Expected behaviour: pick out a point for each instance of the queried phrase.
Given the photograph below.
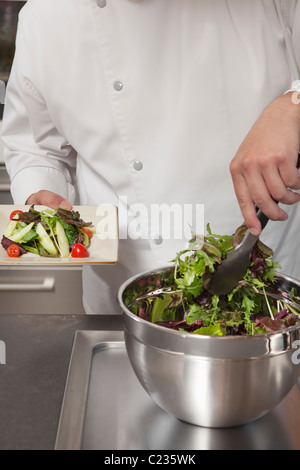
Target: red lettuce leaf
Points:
(72, 217)
(6, 242)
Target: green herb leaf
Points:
(212, 330)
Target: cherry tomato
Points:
(79, 251)
(13, 251)
(87, 232)
(14, 213)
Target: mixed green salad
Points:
(49, 232)
(255, 306)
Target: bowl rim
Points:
(275, 341)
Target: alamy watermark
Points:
(296, 353)
(296, 92)
(2, 352)
(154, 222)
(2, 92)
(296, 97)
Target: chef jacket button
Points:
(137, 165)
(101, 3)
(118, 86)
(157, 239)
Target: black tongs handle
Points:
(261, 217)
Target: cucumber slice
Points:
(86, 241)
(17, 237)
(62, 240)
(10, 228)
(45, 240)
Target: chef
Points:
(187, 105)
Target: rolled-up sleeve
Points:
(37, 155)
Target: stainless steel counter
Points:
(32, 383)
(117, 413)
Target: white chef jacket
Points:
(146, 102)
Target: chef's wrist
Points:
(289, 105)
(283, 109)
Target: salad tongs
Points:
(234, 267)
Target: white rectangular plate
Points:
(104, 243)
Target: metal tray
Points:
(105, 407)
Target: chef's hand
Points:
(47, 198)
(264, 168)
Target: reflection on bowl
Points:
(209, 381)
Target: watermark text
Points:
(2, 352)
(296, 353)
(2, 92)
(154, 222)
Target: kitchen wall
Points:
(9, 10)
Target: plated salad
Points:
(50, 233)
(255, 306)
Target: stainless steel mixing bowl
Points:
(209, 381)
